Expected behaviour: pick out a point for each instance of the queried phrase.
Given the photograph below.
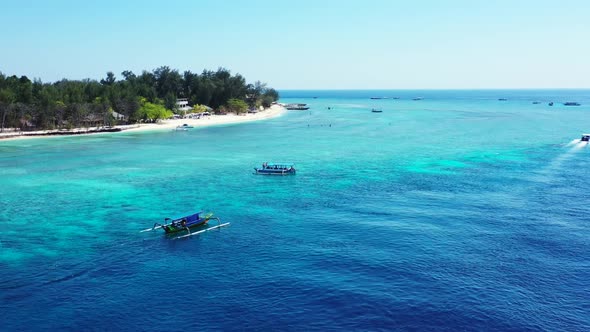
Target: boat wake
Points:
(546, 174)
(580, 145)
(577, 144)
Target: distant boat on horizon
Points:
(571, 103)
(375, 110)
(418, 98)
(502, 99)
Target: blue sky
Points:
(302, 44)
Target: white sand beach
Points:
(211, 120)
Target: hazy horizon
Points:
(333, 45)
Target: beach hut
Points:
(119, 116)
(27, 124)
(93, 120)
(182, 105)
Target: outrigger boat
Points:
(187, 224)
(275, 169)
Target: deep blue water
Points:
(454, 212)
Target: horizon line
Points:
(421, 89)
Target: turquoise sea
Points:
(454, 212)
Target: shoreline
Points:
(169, 124)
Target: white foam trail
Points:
(545, 174)
(563, 157)
(580, 145)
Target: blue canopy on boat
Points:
(191, 218)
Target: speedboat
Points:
(275, 169)
(585, 138)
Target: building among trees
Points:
(148, 97)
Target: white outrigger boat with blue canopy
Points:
(275, 169)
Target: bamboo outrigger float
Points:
(185, 224)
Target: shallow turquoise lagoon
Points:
(454, 212)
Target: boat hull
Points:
(273, 172)
(178, 227)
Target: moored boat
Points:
(376, 110)
(297, 107)
(183, 127)
(275, 169)
(571, 103)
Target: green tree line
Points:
(152, 95)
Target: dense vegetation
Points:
(27, 104)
